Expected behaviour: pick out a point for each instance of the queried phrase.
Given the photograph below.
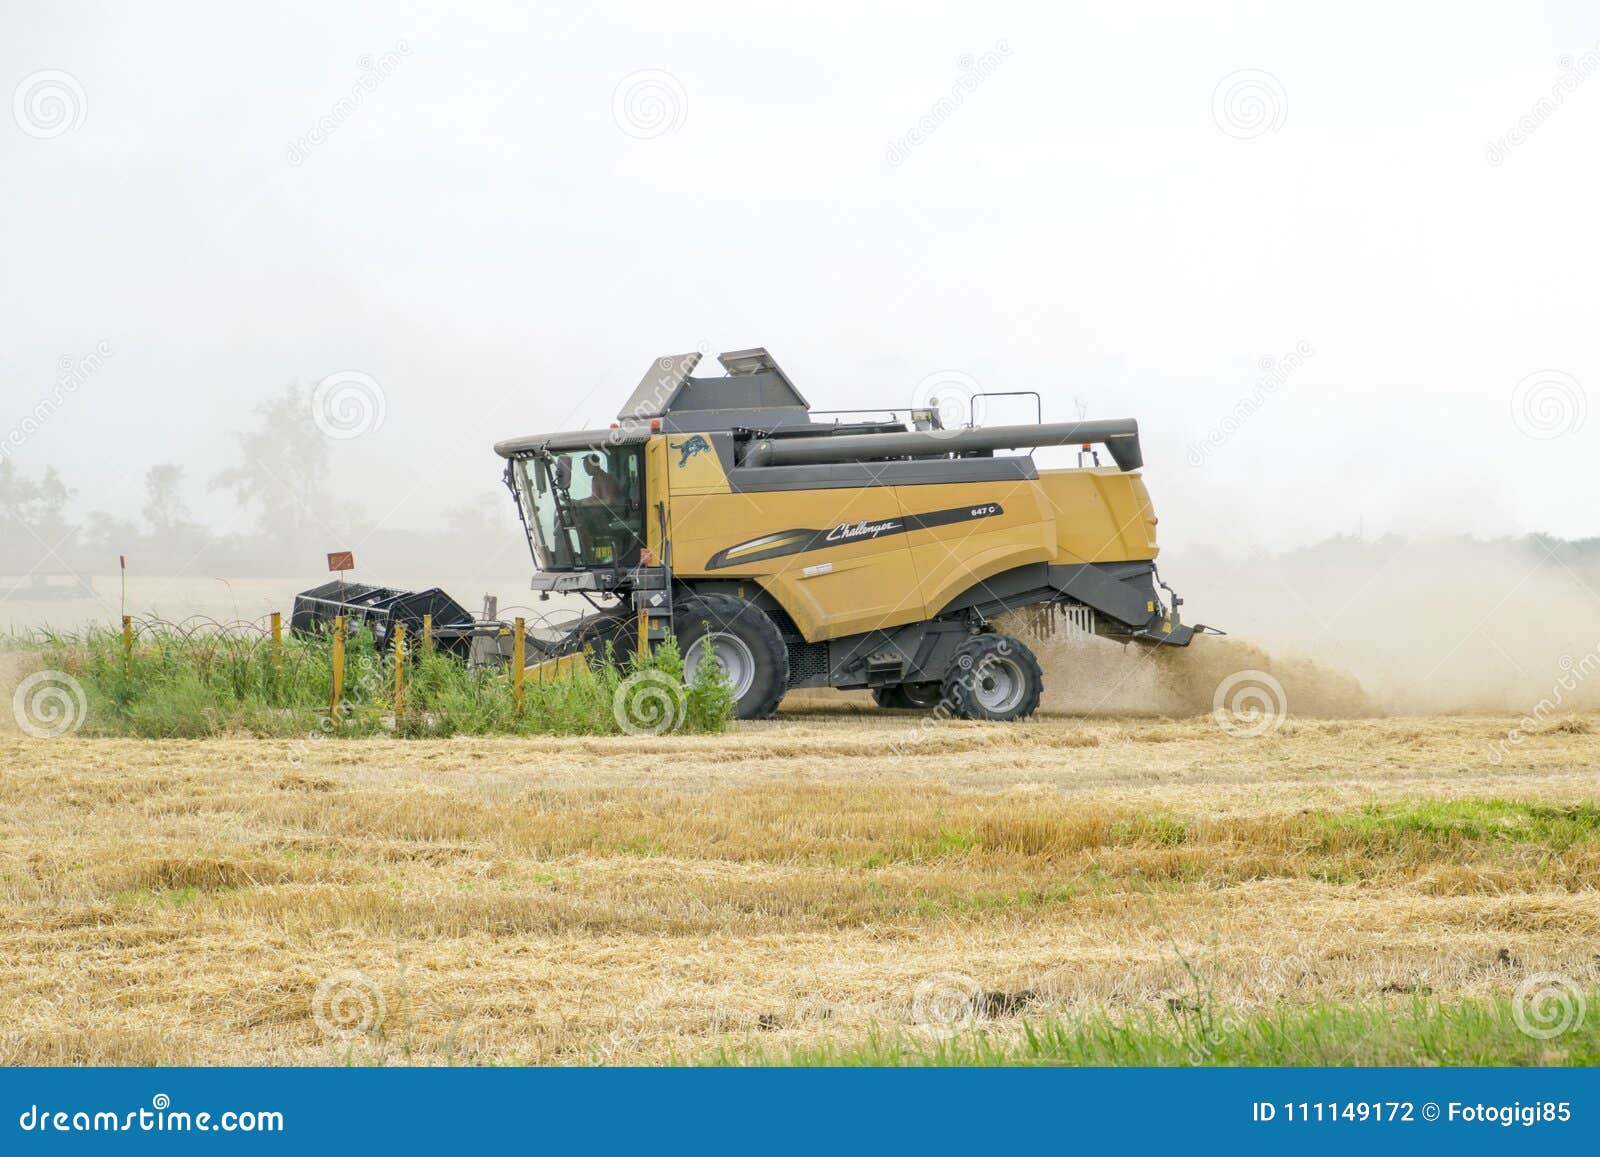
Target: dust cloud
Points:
(1346, 628)
(1092, 676)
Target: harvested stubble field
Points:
(795, 890)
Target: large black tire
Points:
(909, 696)
(620, 630)
(993, 677)
(740, 633)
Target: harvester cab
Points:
(798, 549)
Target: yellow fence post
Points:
(519, 665)
(338, 668)
(127, 637)
(277, 640)
(427, 633)
(399, 673)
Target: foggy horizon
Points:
(486, 224)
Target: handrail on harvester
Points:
(1119, 435)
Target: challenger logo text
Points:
(844, 532)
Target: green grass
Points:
(1157, 829)
(1556, 826)
(174, 685)
(1410, 1031)
(1335, 847)
(164, 897)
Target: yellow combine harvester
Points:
(799, 550)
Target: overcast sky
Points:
(499, 214)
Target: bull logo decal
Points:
(689, 447)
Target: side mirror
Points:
(564, 473)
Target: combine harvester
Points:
(802, 552)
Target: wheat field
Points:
(792, 884)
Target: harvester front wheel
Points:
(993, 677)
(909, 696)
(619, 630)
(744, 641)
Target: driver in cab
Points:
(603, 488)
(594, 513)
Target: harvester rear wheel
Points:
(909, 696)
(993, 677)
(744, 642)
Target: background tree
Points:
(164, 508)
(34, 531)
(282, 470)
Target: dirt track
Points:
(581, 900)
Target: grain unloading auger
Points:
(801, 550)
